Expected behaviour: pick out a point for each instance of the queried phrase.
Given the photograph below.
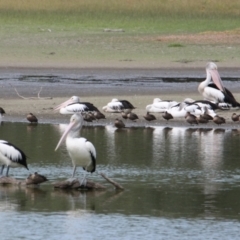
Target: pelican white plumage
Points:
(212, 88)
(117, 106)
(160, 106)
(81, 151)
(74, 105)
(11, 156)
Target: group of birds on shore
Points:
(83, 153)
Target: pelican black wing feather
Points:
(22, 159)
(126, 104)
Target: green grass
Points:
(60, 31)
(148, 16)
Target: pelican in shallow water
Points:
(212, 88)
(118, 106)
(74, 105)
(11, 156)
(81, 151)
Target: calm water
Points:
(180, 183)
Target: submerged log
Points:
(75, 184)
(88, 185)
(32, 179)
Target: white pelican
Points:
(117, 106)
(160, 106)
(11, 156)
(212, 88)
(81, 151)
(73, 105)
(32, 118)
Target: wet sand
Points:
(19, 97)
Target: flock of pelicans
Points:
(83, 153)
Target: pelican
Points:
(32, 118)
(11, 156)
(212, 88)
(160, 106)
(117, 106)
(81, 151)
(73, 105)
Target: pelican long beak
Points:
(64, 104)
(217, 79)
(69, 127)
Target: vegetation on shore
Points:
(122, 31)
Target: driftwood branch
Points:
(75, 184)
(38, 96)
(115, 184)
(89, 185)
(32, 179)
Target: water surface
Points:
(180, 183)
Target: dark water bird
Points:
(119, 123)
(190, 118)
(212, 88)
(167, 116)
(11, 156)
(235, 117)
(98, 115)
(88, 117)
(117, 106)
(81, 151)
(124, 115)
(149, 117)
(32, 118)
(202, 119)
(2, 111)
(74, 105)
(206, 115)
(219, 120)
(132, 116)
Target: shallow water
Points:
(180, 183)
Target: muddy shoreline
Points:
(24, 90)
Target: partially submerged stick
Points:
(75, 184)
(115, 184)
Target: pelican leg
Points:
(83, 182)
(73, 174)
(7, 171)
(2, 168)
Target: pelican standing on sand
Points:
(81, 151)
(117, 106)
(73, 105)
(212, 88)
(11, 156)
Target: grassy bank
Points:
(71, 33)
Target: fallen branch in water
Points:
(89, 185)
(115, 184)
(75, 184)
(38, 97)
